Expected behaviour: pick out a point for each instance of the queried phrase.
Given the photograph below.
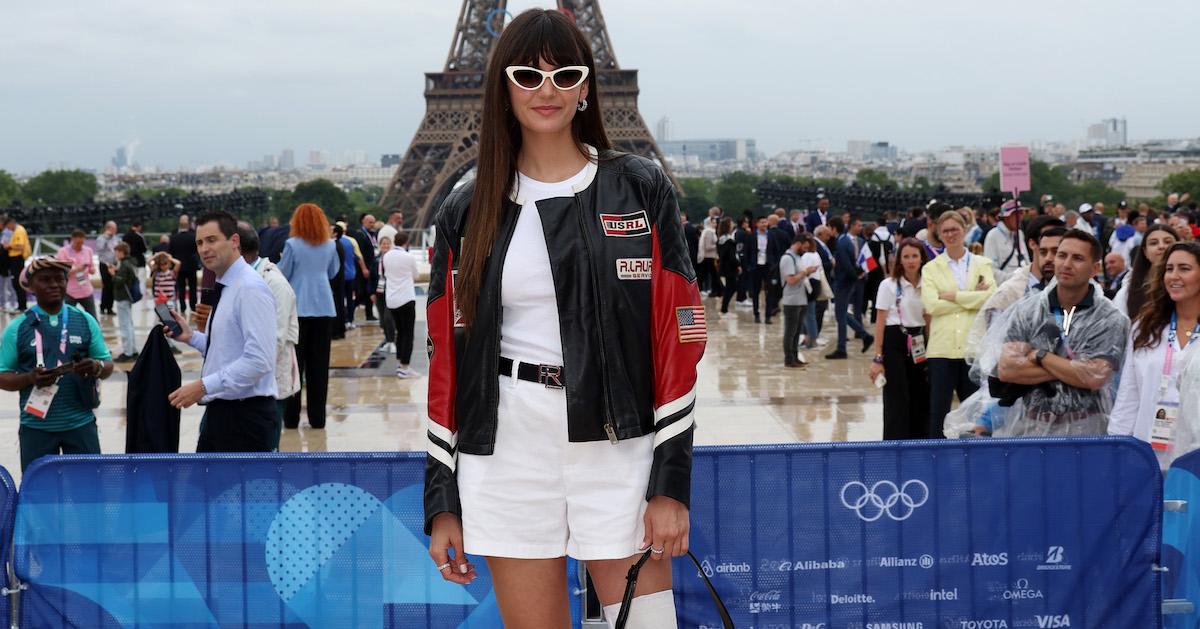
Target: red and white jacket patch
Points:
(625, 225)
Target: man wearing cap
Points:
(1081, 220)
(53, 356)
(1005, 244)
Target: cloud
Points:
(218, 80)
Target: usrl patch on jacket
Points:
(625, 225)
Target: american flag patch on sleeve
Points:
(692, 328)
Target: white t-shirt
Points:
(911, 313)
(959, 268)
(529, 331)
(400, 269)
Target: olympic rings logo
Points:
(884, 497)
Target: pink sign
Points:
(1014, 169)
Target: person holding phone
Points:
(53, 355)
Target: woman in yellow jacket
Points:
(18, 249)
(954, 287)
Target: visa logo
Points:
(1051, 622)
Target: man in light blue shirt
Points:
(237, 383)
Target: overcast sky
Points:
(200, 82)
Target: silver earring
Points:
(582, 105)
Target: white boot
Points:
(651, 611)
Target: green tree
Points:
(1186, 182)
(1044, 179)
(921, 183)
(699, 194)
(9, 189)
(60, 187)
(735, 192)
(327, 195)
(366, 199)
(875, 178)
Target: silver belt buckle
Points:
(551, 376)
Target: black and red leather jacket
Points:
(630, 319)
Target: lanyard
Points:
(966, 262)
(1064, 327)
(1171, 340)
(62, 340)
(899, 310)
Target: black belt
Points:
(549, 375)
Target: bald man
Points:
(1114, 274)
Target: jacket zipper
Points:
(499, 308)
(608, 427)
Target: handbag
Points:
(135, 292)
(631, 580)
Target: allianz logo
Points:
(987, 559)
(727, 567)
(1053, 621)
(990, 623)
(924, 561)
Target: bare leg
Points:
(532, 593)
(608, 576)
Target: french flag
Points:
(866, 260)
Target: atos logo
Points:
(1052, 622)
(986, 559)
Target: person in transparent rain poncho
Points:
(1157, 399)
(1055, 355)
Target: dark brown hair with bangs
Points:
(535, 35)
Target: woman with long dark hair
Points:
(565, 325)
(1160, 345)
(902, 324)
(727, 250)
(1155, 242)
(309, 262)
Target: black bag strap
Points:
(631, 580)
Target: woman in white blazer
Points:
(1160, 346)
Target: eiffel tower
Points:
(445, 146)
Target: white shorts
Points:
(538, 496)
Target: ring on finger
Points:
(656, 551)
(443, 567)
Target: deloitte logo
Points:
(850, 599)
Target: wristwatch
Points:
(1040, 356)
(878, 359)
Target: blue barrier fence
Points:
(971, 533)
(1182, 581)
(8, 504)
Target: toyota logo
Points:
(884, 497)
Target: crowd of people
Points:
(1041, 321)
(276, 296)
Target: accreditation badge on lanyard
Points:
(916, 342)
(41, 398)
(1166, 406)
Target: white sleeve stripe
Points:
(443, 433)
(674, 406)
(674, 430)
(439, 453)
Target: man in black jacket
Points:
(778, 242)
(364, 285)
(747, 248)
(691, 236)
(137, 244)
(183, 248)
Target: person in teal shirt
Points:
(51, 334)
